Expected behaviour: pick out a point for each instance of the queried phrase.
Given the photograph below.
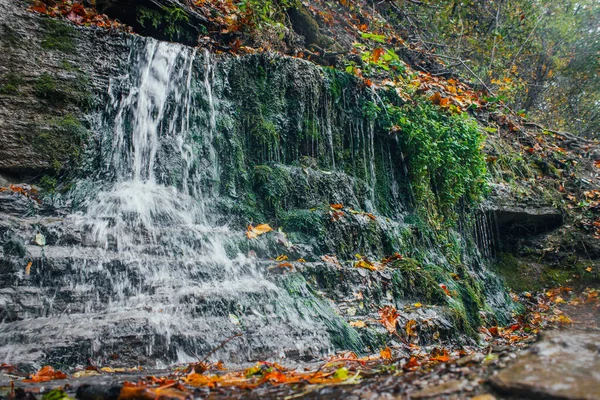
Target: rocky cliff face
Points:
(153, 159)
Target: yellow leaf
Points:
(588, 269)
(282, 257)
(254, 232)
(365, 264)
(358, 324)
(418, 305)
(411, 328)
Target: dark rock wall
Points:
(51, 75)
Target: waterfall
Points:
(154, 269)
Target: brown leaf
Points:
(389, 317)
(377, 53)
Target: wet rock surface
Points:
(562, 365)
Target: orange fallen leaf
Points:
(377, 53)
(389, 317)
(254, 232)
(336, 206)
(412, 363)
(28, 268)
(445, 289)
(411, 327)
(386, 353)
(440, 355)
(46, 374)
(366, 264)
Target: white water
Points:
(176, 263)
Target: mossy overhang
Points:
(127, 12)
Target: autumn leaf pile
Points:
(76, 13)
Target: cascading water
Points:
(155, 271)
(188, 144)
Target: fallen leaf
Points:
(254, 232)
(40, 240)
(386, 353)
(440, 355)
(389, 317)
(336, 206)
(445, 289)
(358, 324)
(411, 327)
(46, 374)
(412, 363)
(28, 268)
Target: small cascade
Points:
(155, 267)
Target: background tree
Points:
(539, 56)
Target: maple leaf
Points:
(46, 374)
(412, 363)
(254, 232)
(386, 353)
(389, 317)
(440, 355)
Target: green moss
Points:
(272, 186)
(48, 183)
(171, 20)
(414, 281)
(48, 88)
(61, 141)
(11, 84)
(73, 91)
(305, 221)
(443, 154)
(313, 307)
(59, 36)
